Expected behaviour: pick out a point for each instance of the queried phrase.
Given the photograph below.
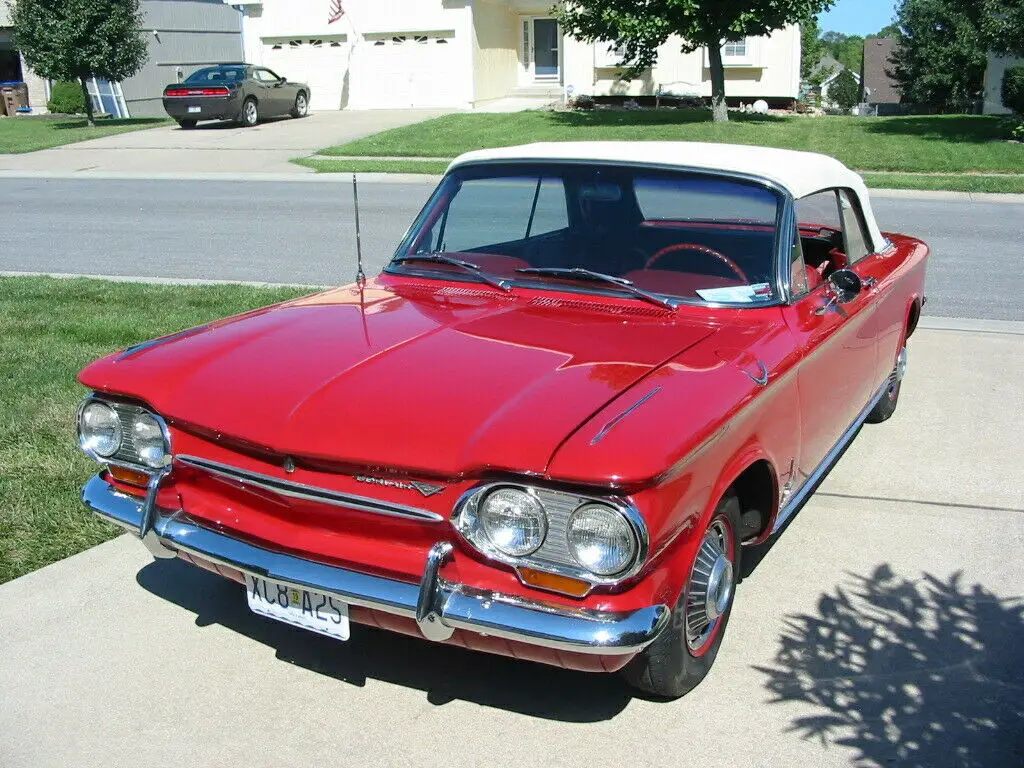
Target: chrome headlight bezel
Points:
(128, 413)
(554, 555)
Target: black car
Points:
(240, 92)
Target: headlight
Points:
(514, 521)
(148, 438)
(99, 429)
(601, 539)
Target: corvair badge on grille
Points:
(427, 489)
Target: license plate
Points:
(299, 607)
(193, 110)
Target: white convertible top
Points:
(801, 173)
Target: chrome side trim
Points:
(615, 421)
(762, 379)
(803, 493)
(456, 606)
(309, 492)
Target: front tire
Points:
(250, 113)
(301, 108)
(886, 407)
(683, 654)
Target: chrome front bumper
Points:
(438, 606)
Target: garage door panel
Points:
(321, 62)
(409, 71)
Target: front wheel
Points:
(250, 113)
(301, 108)
(683, 653)
(886, 407)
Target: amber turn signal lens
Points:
(554, 583)
(129, 476)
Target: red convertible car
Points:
(590, 375)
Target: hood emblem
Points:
(289, 464)
(427, 489)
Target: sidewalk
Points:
(110, 658)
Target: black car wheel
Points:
(187, 124)
(301, 108)
(886, 407)
(683, 653)
(250, 113)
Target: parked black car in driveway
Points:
(240, 92)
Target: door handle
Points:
(870, 283)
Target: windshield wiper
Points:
(440, 258)
(588, 275)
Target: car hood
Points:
(423, 377)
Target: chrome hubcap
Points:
(711, 585)
(250, 113)
(300, 105)
(898, 372)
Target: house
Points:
(997, 66)
(182, 35)
(464, 53)
(880, 91)
(825, 72)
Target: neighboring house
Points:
(461, 53)
(825, 72)
(997, 66)
(183, 35)
(13, 67)
(880, 91)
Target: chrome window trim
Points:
(621, 505)
(111, 461)
(309, 492)
(785, 201)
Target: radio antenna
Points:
(360, 275)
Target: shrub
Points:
(66, 99)
(581, 102)
(845, 91)
(1013, 89)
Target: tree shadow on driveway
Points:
(446, 673)
(914, 672)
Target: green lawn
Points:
(963, 182)
(945, 143)
(27, 134)
(49, 330)
(343, 165)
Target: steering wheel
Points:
(699, 249)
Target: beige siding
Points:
(772, 70)
(495, 51)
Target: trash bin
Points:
(13, 96)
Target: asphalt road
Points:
(302, 232)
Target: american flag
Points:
(335, 12)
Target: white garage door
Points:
(321, 62)
(415, 70)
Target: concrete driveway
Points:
(217, 147)
(881, 628)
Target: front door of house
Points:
(541, 54)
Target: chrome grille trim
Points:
(309, 492)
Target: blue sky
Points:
(857, 17)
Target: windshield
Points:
(692, 237)
(217, 75)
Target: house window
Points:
(398, 40)
(422, 39)
(735, 50)
(295, 43)
(335, 44)
(276, 47)
(316, 43)
(441, 41)
(378, 42)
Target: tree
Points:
(1004, 26)
(942, 53)
(80, 39)
(812, 48)
(1013, 89)
(845, 90)
(848, 50)
(639, 27)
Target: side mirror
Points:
(282, 80)
(846, 284)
